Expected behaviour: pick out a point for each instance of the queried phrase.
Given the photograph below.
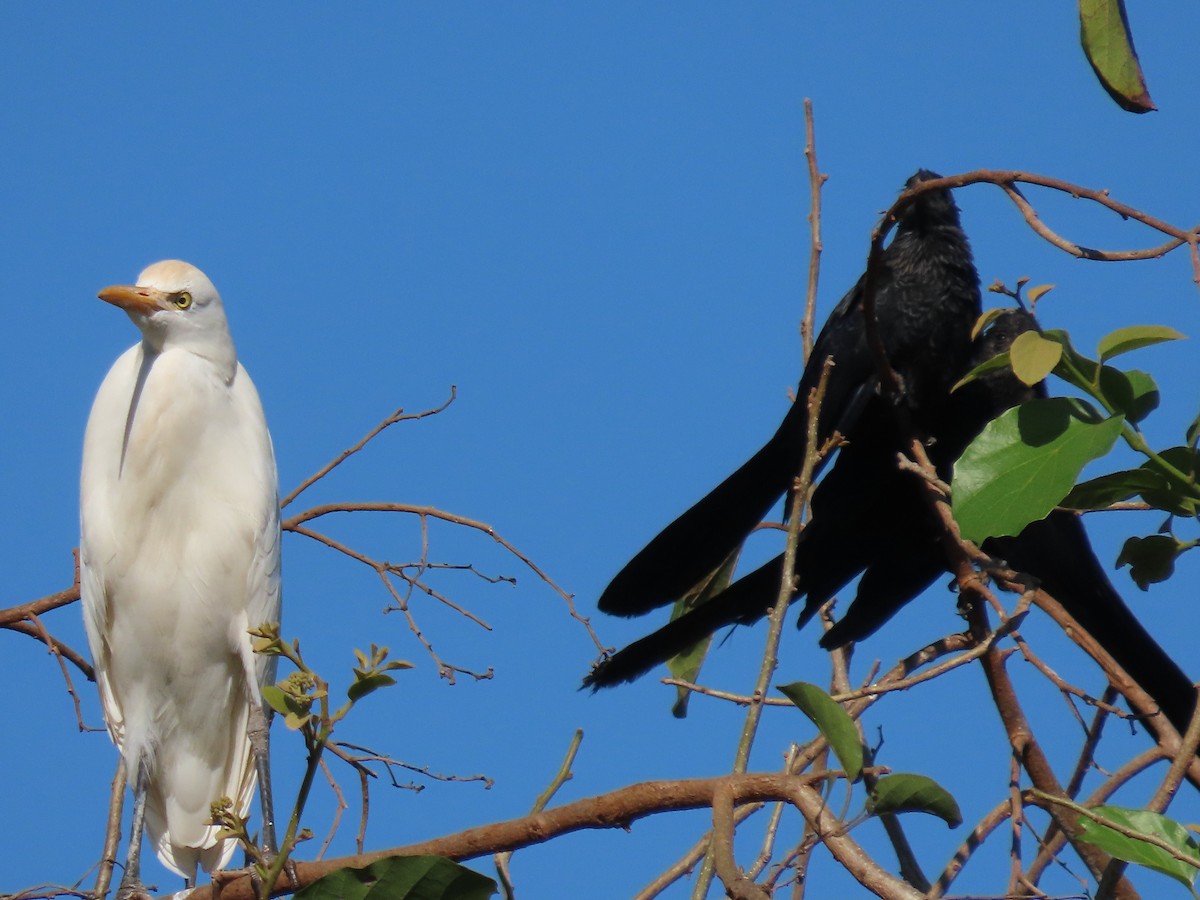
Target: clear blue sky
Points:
(591, 219)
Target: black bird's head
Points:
(930, 209)
(999, 389)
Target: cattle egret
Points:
(179, 557)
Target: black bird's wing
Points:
(926, 300)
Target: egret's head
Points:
(175, 305)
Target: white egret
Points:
(179, 557)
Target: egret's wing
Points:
(100, 470)
(95, 618)
(263, 586)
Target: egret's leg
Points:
(131, 882)
(259, 728)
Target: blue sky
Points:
(591, 219)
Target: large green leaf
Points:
(832, 721)
(402, 878)
(1135, 851)
(903, 792)
(1104, 33)
(1025, 462)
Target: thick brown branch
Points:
(618, 809)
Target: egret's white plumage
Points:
(179, 557)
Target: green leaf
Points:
(686, 665)
(402, 878)
(1150, 559)
(999, 361)
(1112, 488)
(1134, 337)
(1170, 495)
(296, 721)
(1034, 294)
(295, 711)
(1143, 396)
(901, 792)
(1135, 851)
(1108, 44)
(1025, 462)
(368, 684)
(832, 721)
(276, 699)
(1034, 357)
(1193, 432)
(989, 316)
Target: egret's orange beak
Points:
(134, 299)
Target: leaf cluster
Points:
(1028, 460)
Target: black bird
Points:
(926, 301)
(870, 517)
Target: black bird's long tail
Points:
(692, 546)
(1057, 552)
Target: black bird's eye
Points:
(183, 300)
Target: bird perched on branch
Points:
(926, 299)
(179, 558)
(871, 518)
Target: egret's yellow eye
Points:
(183, 300)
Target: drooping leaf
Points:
(402, 878)
(903, 792)
(686, 665)
(1108, 44)
(1112, 488)
(1134, 337)
(1023, 463)
(832, 721)
(1135, 851)
(1151, 559)
(1034, 357)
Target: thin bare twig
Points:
(57, 647)
(815, 180)
(398, 416)
(561, 777)
(342, 806)
(316, 512)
